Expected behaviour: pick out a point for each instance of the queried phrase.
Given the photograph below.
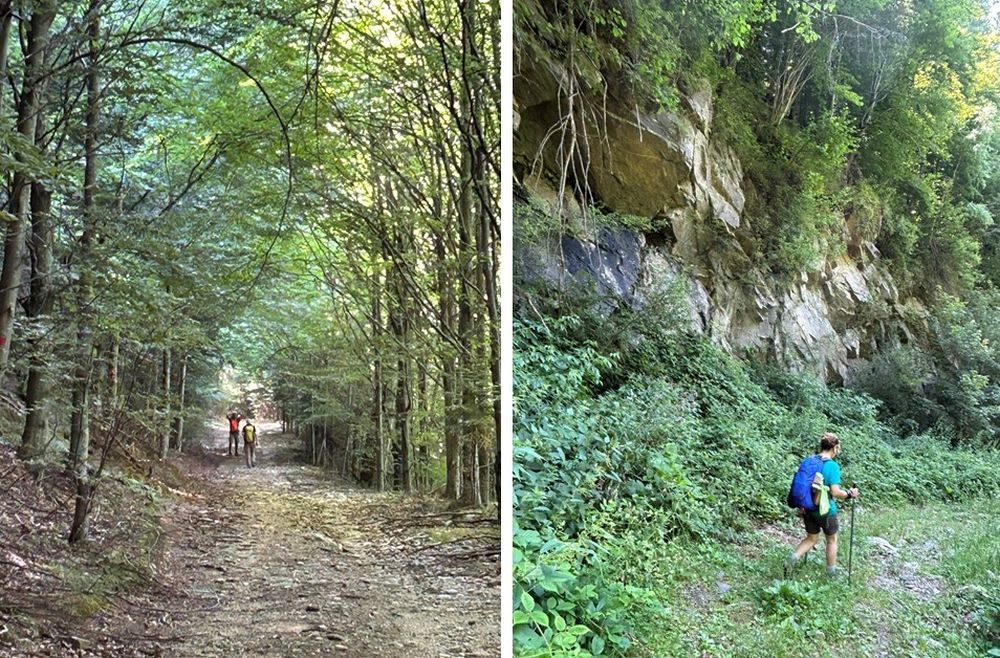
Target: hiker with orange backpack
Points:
(234, 432)
(814, 492)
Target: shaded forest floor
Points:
(216, 559)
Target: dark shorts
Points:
(828, 524)
(234, 436)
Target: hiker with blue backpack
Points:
(814, 492)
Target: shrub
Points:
(558, 608)
(630, 435)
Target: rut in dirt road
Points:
(280, 560)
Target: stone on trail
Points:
(883, 546)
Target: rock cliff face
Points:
(667, 167)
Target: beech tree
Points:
(305, 192)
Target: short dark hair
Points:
(828, 441)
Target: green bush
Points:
(950, 388)
(560, 609)
(630, 435)
(805, 606)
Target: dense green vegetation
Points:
(878, 110)
(862, 126)
(646, 459)
(651, 467)
(305, 192)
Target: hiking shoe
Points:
(834, 573)
(790, 563)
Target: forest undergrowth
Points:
(47, 593)
(650, 475)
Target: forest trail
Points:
(280, 560)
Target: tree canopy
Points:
(305, 192)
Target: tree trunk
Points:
(113, 374)
(81, 511)
(483, 459)
(423, 414)
(29, 107)
(6, 16)
(165, 428)
(399, 322)
(487, 256)
(313, 451)
(444, 273)
(467, 368)
(179, 417)
(470, 473)
(403, 423)
(39, 305)
(80, 425)
(449, 379)
(79, 431)
(378, 390)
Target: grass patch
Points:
(730, 600)
(974, 552)
(962, 538)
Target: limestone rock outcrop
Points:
(666, 167)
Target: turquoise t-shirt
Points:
(831, 476)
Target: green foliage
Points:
(632, 436)
(807, 607)
(950, 387)
(802, 206)
(557, 610)
(649, 43)
(820, 116)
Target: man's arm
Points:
(840, 494)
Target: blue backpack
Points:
(800, 494)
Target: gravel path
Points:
(282, 560)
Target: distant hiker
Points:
(250, 444)
(234, 433)
(815, 490)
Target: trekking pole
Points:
(850, 550)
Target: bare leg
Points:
(831, 551)
(806, 545)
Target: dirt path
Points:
(282, 560)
